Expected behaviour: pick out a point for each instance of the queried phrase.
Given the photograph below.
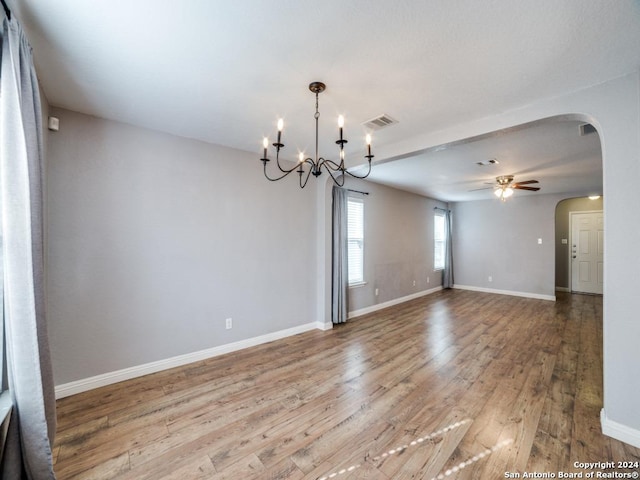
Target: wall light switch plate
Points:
(54, 124)
(539, 241)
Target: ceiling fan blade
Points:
(484, 188)
(533, 189)
(526, 182)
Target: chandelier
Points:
(305, 167)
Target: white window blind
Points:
(355, 236)
(439, 237)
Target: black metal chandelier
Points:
(337, 171)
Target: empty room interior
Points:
(313, 240)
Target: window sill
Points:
(357, 284)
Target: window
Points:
(355, 239)
(439, 237)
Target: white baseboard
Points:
(390, 303)
(618, 431)
(324, 326)
(563, 289)
(109, 378)
(537, 296)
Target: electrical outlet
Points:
(229, 323)
(490, 278)
(428, 279)
(414, 283)
(376, 292)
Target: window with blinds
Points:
(355, 236)
(439, 237)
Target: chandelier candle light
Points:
(336, 171)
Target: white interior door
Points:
(587, 249)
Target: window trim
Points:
(361, 280)
(436, 243)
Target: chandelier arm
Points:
(275, 179)
(312, 165)
(330, 165)
(358, 176)
(278, 163)
(302, 185)
(339, 183)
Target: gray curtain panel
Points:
(447, 275)
(32, 424)
(340, 270)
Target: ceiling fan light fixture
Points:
(503, 192)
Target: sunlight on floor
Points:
(421, 441)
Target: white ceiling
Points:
(223, 71)
(551, 151)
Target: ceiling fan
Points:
(505, 186)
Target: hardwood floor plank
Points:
(426, 459)
(502, 368)
(552, 444)
(88, 468)
(192, 468)
(109, 442)
(298, 429)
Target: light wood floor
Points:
(470, 384)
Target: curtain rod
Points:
(440, 208)
(7, 11)
(347, 189)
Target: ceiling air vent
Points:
(491, 161)
(587, 129)
(379, 122)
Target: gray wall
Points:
(500, 239)
(398, 245)
(563, 231)
(154, 240)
